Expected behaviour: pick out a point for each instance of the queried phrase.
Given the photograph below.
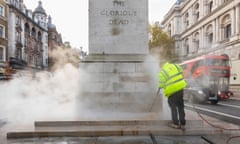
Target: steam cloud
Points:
(54, 95)
(47, 95)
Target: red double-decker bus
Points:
(208, 77)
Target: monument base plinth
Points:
(123, 83)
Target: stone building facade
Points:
(27, 35)
(203, 27)
(54, 41)
(54, 38)
(3, 39)
(3, 32)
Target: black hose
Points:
(207, 140)
(153, 139)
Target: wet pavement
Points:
(117, 140)
(218, 139)
(227, 137)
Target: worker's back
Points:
(171, 79)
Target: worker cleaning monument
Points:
(118, 87)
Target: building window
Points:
(210, 38)
(228, 31)
(210, 6)
(209, 34)
(18, 37)
(18, 21)
(19, 53)
(1, 54)
(196, 12)
(197, 16)
(196, 42)
(186, 44)
(2, 31)
(33, 34)
(187, 49)
(169, 30)
(1, 11)
(27, 29)
(16, 4)
(39, 36)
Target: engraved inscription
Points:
(120, 14)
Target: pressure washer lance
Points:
(154, 99)
(151, 135)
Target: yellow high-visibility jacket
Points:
(171, 79)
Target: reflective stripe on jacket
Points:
(171, 79)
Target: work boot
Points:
(172, 125)
(182, 127)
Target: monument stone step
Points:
(111, 128)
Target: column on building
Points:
(207, 30)
(216, 2)
(191, 16)
(201, 8)
(201, 37)
(233, 21)
(218, 30)
(182, 47)
(205, 37)
(221, 32)
(237, 18)
(177, 25)
(191, 44)
(214, 29)
(206, 7)
(173, 26)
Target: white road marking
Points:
(234, 106)
(215, 112)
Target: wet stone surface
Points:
(180, 140)
(114, 140)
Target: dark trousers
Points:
(176, 104)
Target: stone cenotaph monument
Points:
(116, 75)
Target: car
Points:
(195, 95)
(195, 92)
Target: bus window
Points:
(202, 62)
(195, 66)
(218, 62)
